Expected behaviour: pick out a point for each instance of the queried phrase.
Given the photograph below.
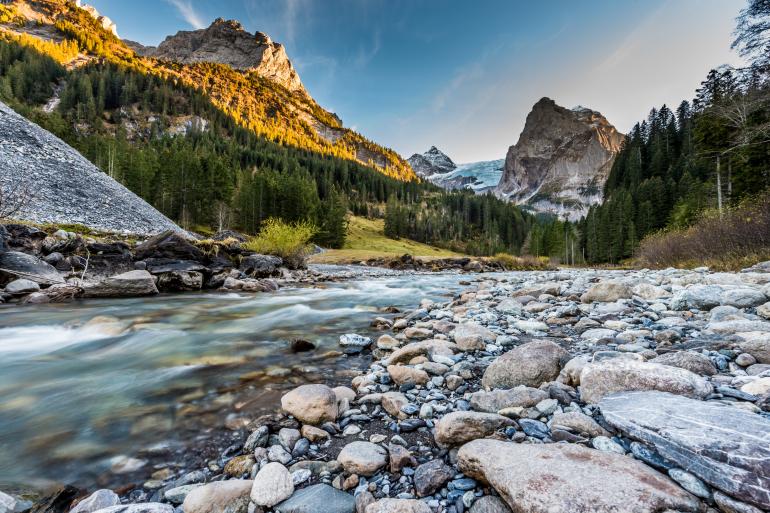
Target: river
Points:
(91, 390)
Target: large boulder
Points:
(230, 496)
(260, 266)
(311, 404)
(168, 244)
(530, 364)
(607, 292)
(727, 447)
(698, 297)
(495, 400)
(459, 427)
(743, 297)
(130, 284)
(14, 264)
(620, 374)
(569, 478)
(363, 458)
(320, 498)
(693, 362)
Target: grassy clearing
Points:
(366, 239)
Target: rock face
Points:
(430, 163)
(620, 374)
(53, 183)
(726, 447)
(542, 479)
(561, 161)
(226, 42)
(130, 284)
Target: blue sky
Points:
(462, 75)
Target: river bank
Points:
(466, 399)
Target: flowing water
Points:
(85, 385)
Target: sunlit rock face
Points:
(561, 161)
(226, 42)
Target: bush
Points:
(523, 263)
(286, 240)
(738, 238)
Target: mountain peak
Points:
(562, 159)
(227, 42)
(433, 161)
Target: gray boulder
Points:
(22, 286)
(459, 427)
(727, 447)
(260, 266)
(699, 297)
(607, 292)
(100, 499)
(619, 374)
(530, 364)
(496, 400)
(130, 284)
(568, 478)
(693, 362)
(320, 498)
(14, 264)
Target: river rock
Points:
(606, 292)
(272, 484)
(530, 364)
(693, 362)
(260, 266)
(180, 281)
(459, 427)
(619, 374)
(130, 284)
(743, 297)
(231, 496)
(424, 348)
(320, 498)
(698, 297)
(100, 499)
(14, 264)
(168, 245)
(757, 345)
(490, 504)
(311, 404)
(495, 400)
(22, 286)
(764, 311)
(363, 458)
(568, 478)
(579, 423)
(757, 387)
(509, 306)
(431, 477)
(472, 337)
(392, 402)
(398, 506)
(355, 341)
(724, 446)
(729, 505)
(139, 507)
(403, 374)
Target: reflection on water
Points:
(82, 383)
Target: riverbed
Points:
(92, 389)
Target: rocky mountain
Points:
(44, 180)
(432, 162)
(480, 177)
(248, 77)
(226, 42)
(561, 161)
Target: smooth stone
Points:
(618, 375)
(578, 422)
(141, 507)
(363, 458)
(690, 483)
(100, 499)
(430, 477)
(530, 364)
(311, 404)
(489, 504)
(726, 447)
(459, 427)
(272, 484)
(398, 506)
(693, 362)
(130, 284)
(607, 292)
(403, 374)
(319, 498)
(231, 496)
(22, 286)
(569, 478)
(496, 400)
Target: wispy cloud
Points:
(188, 13)
(366, 54)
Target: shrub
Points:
(286, 240)
(523, 263)
(738, 238)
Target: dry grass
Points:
(739, 238)
(521, 263)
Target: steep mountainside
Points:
(246, 76)
(44, 180)
(561, 161)
(432, 162)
